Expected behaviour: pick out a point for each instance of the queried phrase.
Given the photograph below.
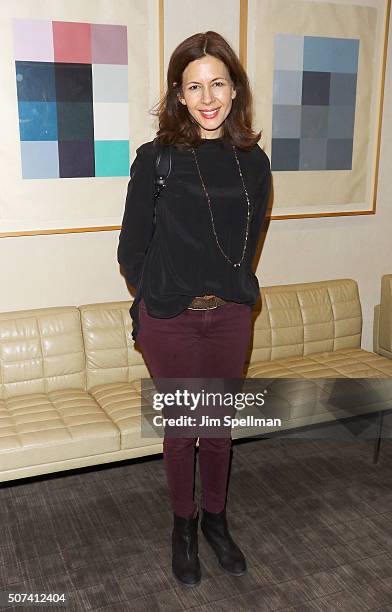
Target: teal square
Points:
(111, 157)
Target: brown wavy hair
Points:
(176, 125)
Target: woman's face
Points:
(206, 86)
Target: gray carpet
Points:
(313, 516)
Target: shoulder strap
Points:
(162, 171)
(162, 167)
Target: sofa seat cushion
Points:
(350, 363)
(306, 402)
(48, 427)
(122, 402)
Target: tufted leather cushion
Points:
(301, 319)
(44, 427)
(122, 403)
(40, 351)
(113, 366)
(351, 363)
(110, 353)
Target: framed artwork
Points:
(77, 83)
(72, 91)
(317, 68)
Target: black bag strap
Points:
(162, 167)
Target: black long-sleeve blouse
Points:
(183, 259)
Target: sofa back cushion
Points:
(110, 352)
(305, 318)
(41, 350)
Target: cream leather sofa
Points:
(70, 376)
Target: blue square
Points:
(345, 53)
(287, 88)
(35, 81)
(40, 160)
(318, 53)
(37, 120)
(286, 121)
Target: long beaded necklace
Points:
(237, 264)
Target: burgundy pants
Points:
(196, 343)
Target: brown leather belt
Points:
(202, 303)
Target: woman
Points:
(192, 317)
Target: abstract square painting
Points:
(314, 99)
(72, 96)
(318, 70)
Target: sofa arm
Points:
(384, 316)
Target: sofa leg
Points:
(377, 441)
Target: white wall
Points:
(78, 268)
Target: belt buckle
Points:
(214, 300)
(206, 300)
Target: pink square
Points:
(72, 42)
(33, 40)
(109, 44)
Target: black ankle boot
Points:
(185, 563)
(215, 530)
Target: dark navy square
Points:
(315, 88)
(74, 82)
(35, 81)
(76, 158)
(285, 154)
